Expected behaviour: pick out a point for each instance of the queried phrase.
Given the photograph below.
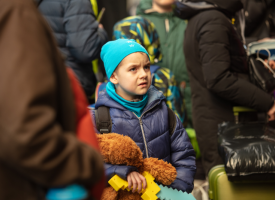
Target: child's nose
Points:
(143, 74)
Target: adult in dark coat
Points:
(216, 60)
(78, 36)
(38, 143)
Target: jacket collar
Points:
(151, 11)
(154, 97)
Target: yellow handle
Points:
(95, 7)
(239, 109)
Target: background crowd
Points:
(198, 60)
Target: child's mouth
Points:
(144, 84)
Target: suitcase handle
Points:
(238, 109)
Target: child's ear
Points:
(113, 78)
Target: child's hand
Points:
(136, 179)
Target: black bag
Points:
(248, 150)
(261, 74)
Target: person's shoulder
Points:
(85, 4)
(25, 11)
(211, 16)
(10, 4)
(102, 97)
(155, 94)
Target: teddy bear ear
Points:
(109, 194)
(120, 150)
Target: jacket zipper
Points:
(142, 130)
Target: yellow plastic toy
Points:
(150, 193)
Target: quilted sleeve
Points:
(84, 38)
(121, 170)
(183, 159)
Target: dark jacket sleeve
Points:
(121, 170)
(33, 140)
(183, 159)
(214, 44)
(84, 38)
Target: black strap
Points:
(103, 120)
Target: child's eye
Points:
(147, 67)
(133, 69)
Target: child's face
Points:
(132, 77)
(164, 2)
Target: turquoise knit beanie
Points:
(113, 52)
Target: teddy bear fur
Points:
(122, 150)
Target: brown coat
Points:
(38, 144)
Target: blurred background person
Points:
(259, 19)
(79, 36)
(171, 33)
(217, 61)
(38, 120)
(132, 6)
(115, 11)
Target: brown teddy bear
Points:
(122, 150)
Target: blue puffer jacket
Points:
(151, 133)
(78, 36)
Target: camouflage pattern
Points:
(143, 32)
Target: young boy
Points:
(138, 110)
(144, 32)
